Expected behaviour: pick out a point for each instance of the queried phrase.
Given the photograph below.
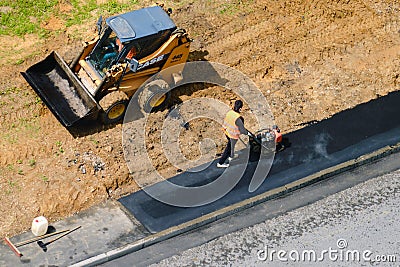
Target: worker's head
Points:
(276, 128)
(238, 105)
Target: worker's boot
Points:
(223, 165)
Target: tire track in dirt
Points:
(310, 58)
(321, 43)
(268, 51)
(261, 37)
(25, 143)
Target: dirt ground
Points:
(311, 59)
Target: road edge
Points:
(240, 206)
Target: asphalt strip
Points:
(347, 140)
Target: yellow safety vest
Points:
(229, 126)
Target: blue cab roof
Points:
(140, 23)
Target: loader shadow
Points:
(198, 55)
(89, 127)
(85, 128)
(189, 89)
(345, 136)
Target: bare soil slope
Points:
(311, 59)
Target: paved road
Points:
(362, 219)
(364, 216)
(316, 147)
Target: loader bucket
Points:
(61, 90)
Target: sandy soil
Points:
(311, 59)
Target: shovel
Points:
(44, 245)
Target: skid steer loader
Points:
(99, 82)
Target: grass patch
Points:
(38, 101)
(23, 127)
(22, 17)
(32, 162)
(60, 148)
(44, 178)
(82, 12)
(27, 17)
(19, 61)
(10, 138)
(12, 186)
(10, 90)
(233, 7)
(30, 126)
(96, 142)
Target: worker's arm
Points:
(240, 124)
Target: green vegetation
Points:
(11, 90)
(30, 126)
(38, 101)
(12, 185)
(60, 148)
(96, 142)
(82, 12)
(233, 7)
(44, 178)
(32, 162)
(12, 139)
(114, 7)
(19, 61)
(20, 17)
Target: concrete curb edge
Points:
(235, 208)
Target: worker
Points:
(112, 51)
(131, 52)
(115, 50)
(233, 126)
(278, 138)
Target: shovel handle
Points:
(39, 237)
(13, 247)
(64, 234)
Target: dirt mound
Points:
(311, 59)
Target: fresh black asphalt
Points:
(319, 145)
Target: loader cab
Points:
(105, 53)
(136, 34)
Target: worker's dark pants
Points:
(279, 147)
(229, 150)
